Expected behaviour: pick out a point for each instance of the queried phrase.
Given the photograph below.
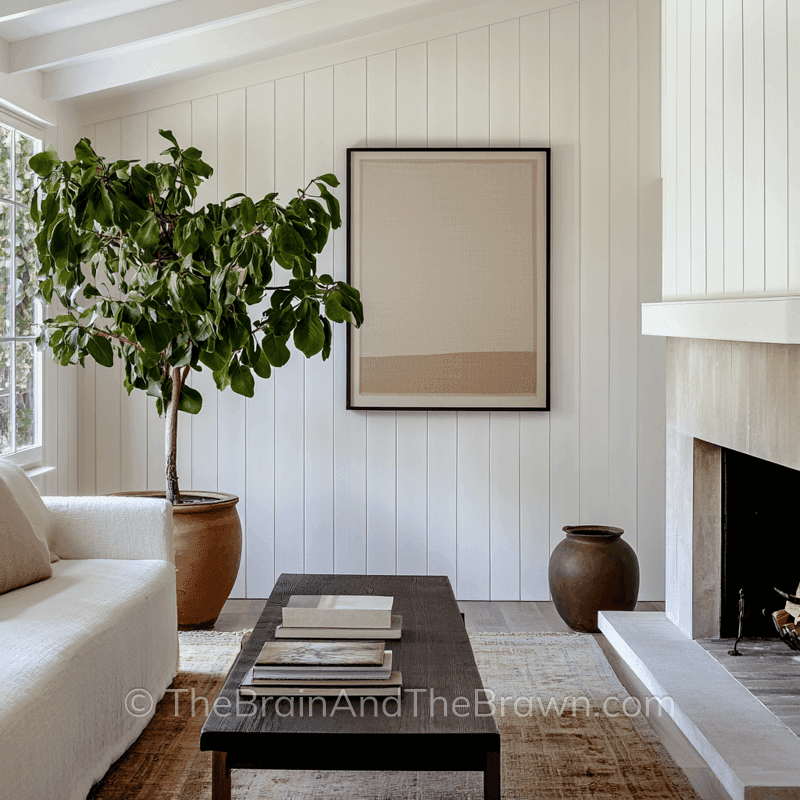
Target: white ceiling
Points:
(97, 49)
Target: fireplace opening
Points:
(759, 541)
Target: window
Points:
(20, 362)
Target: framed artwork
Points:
(450, 250)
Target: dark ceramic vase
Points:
(592, 570)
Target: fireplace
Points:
(759, 541)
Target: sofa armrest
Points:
(112, 527)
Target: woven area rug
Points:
(549, 752)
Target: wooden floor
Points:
(538, 617)
(480, 616)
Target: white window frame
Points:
(28, 457)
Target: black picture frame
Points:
(452, 402)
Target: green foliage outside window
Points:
(18, 287)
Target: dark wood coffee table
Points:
(434, 654)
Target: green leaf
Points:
(99, 348)
(242, 381)
(288, 240)
(44, 163)
(330, 179)
(309, 335)
(84, 152)
(261, 365)
(190, 401)
(147, 236)
(275, 349)
(333, 308)
(153, 336)
(333, 205)
(248, 211)
(168, 136)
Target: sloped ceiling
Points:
(96, 49)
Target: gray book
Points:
(321, 654)
(250, 688)
(281, 673)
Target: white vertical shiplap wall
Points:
(478, 496)
(731, 133)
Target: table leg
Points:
(491, 777)
(220, 776)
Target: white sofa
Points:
(75, 646)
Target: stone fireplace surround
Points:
(720, 394)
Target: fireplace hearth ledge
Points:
(752, 753)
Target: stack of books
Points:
(331, 616)
(323, 669)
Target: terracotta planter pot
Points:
(592, 570)
(208, 548)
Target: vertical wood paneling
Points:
(473, 506)
(534, 428)
(742, 90)
(683, 242)
(349, 431)
(178, 119)
(534, 80)
(564, 270)
(594, 258)
(776, 254)
(753, 49)
(204, 425)
(442, 482)
(697, 155)
(290, 379)
(231, 408)
(652, 356)
(472, 88)
(87, 404)
(670, 149)
(714, 222)
(319, 400)
(260, 415)
(504, 503)
(504, 84)
(412, 96)
(442, 112)
(108, 380)
(624, 327)
(412, 493)
(480, 497)
(381, 466)
(733, 148)
(793, 93)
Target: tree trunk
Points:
(171, 436)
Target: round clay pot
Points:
(592, 570)
(208, 547)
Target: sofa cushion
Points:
(29, 499)
(24, 557)
(73, 649)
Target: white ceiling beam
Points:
(14, 9)
(222, 44)
(164, 23)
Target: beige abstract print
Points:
(448, 276)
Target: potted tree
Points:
(142, 276)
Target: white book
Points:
(338, 611)
(282, 632)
